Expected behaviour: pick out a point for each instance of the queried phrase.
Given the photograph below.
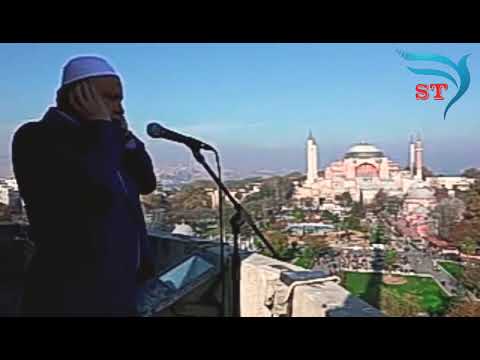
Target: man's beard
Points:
(121, 122)
(118, 120)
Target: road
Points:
(422, 261)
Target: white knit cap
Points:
(83, 67)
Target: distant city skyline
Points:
(257, 102)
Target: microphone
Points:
(157, 131)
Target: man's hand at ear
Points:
(86, 101)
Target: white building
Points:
(310, 228)
(312, 160)
(9, 194)
(11, 183)
(240, 194)
(450, 182)
(4, 195)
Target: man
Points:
(80, 172)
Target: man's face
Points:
(111, 92)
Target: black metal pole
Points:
(222, 240)
(236, 222)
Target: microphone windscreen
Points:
(154, 129)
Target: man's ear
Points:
(58, 98)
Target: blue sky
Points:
(256, 102)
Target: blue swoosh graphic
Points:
(434, 72)
(464, 82)
(461, 70)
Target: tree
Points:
(377, 236)
(306, 258)
(318, 244)
(274, 193)
(379, 201)
(351, 223)
(191, 197)
(393, 205)
(441, 193)
(357, 210)
(471, 278)
(385, 203)
(466, 233)
(299, 214)
(155, 200)
(344, 199)
(427, 172)
(295, 175)
(473, 173)
(399, 307)
(465, 309)
(447, 213)
(191, 216)
(391, 258)
(308, 202)
(278, 240)
(290, 253)
(327, 215)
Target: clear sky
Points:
(257, 102)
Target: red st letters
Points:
(423, 91)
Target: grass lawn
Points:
(454, 269)
(418, 294)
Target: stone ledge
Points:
(316, 300)
(259, 274)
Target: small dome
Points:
(183, 229)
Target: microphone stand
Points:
(237, 220)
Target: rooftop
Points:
(189, 284)
(420, 192)
(268, 287)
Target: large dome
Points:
(364, 150)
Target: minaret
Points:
(412, 156)
(419, 158)
(312, 159)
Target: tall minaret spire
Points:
(312, 159)
(419, 158)
(412, 156)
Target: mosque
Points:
(365, 169)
